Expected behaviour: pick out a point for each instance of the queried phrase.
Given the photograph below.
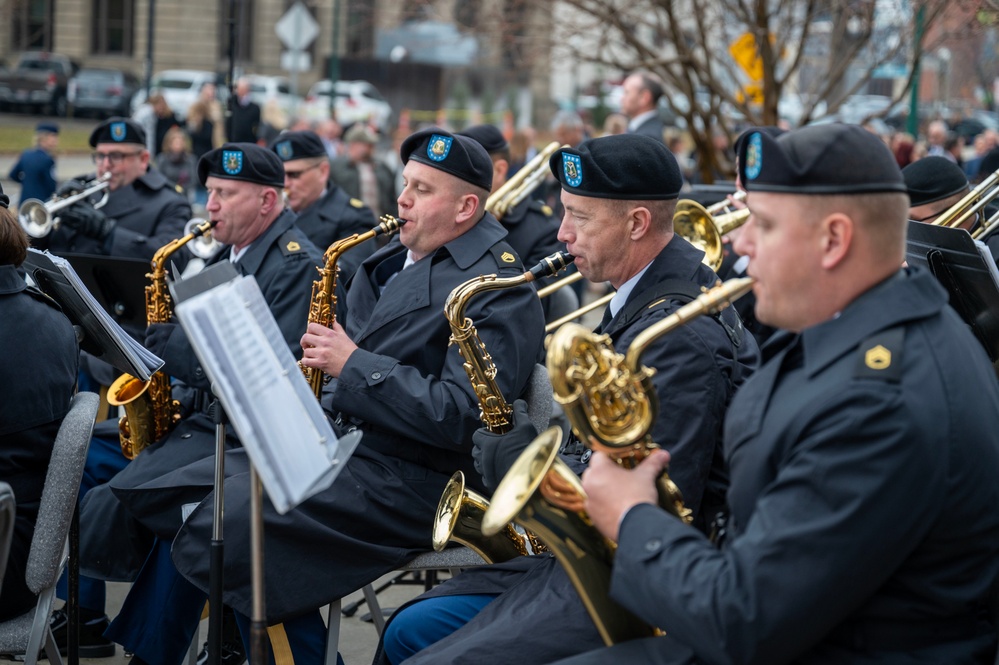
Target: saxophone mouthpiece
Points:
(550, 266)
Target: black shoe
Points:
(232, 654)
(93, 644)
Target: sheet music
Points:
(990, 261)
(253, 373)
(117, 347)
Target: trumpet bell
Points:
(693, 223)
(35, 218)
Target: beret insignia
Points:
(439, 147)
(572, 167)
(754, 157)
(118, 131)
(284, 150)
(232, 161)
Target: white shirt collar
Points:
(621, 297)
(235, 256)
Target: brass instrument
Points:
(522, 183)
(460, 510)
(150, 410)
(459, 519)
(494, 411)
(704, 228)
(970, 204)
(37, 217)
(612, 405)
(322, 309)
(204, 246)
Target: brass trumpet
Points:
(523, 183)
(37, 217)
(704, 228)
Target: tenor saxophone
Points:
(612, 406)
(322, 309)
(460, 511)
(150, 410)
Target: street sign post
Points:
(297, 29)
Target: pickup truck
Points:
(38, 81)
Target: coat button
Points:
(587, 454)
(376, 375)
(198, 372)
(653, 545)
(186, 436)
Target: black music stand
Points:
(961, 267)
(118, 284)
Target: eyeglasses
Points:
(114, 157)
(295, 175)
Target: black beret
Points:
(4, 199)
(624, 166)
(990, 164)
(488, 136)
(458, 155)
(298, 145)
(118, 130)
(242, 161)
(818, 159)
(932, 179)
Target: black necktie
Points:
(604, 322)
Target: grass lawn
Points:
(16, 137)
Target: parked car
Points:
(102, 92)
(266, 88)
(39, 81)
(180, 88)
(355, 101)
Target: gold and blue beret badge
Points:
(439, 147)
(232, 161)
(572, 168)
(754, 156)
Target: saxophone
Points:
(611, 403)
(323, 300)
(150, 410)
(460, 510)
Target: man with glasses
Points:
(326, 213)
(144, 210)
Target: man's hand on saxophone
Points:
(612, 490)
(327, 349)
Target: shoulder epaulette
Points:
(41, 296)
(880, 356)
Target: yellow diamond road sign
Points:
(747, 56)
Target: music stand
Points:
(968, 273)
(118, 284)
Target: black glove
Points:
(158, 336)
(85, 219)
(72, 186)
(495, 453)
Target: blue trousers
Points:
(104, 461)
(162, 611)
(428, 621)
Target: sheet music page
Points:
(277, 417)
(138, 360)
(990, 261)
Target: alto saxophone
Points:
(150, 410)
(612, 405)
(460, 510)
(323, 300)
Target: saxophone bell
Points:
(459, 519)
